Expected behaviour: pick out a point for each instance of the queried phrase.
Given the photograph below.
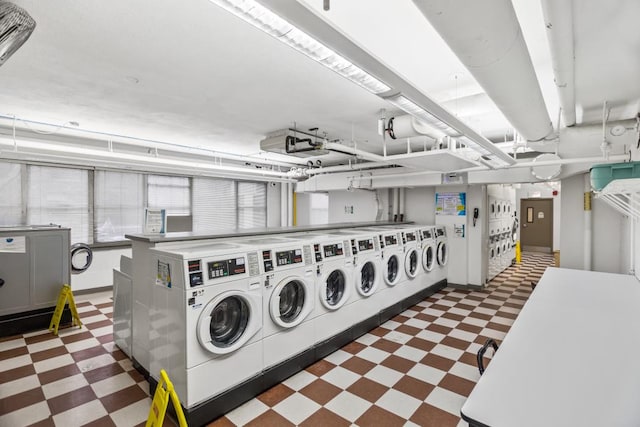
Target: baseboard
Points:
(33, 320)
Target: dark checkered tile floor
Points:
(416, 369)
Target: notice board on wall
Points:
(452, 204)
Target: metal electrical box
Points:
(34, 264)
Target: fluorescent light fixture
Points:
(262, 18)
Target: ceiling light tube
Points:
(262, 18)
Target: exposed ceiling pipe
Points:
(487, 38)
(579, 160)
(346, 168)
(81, 136)
(558, 17)
(366, 155)
(401, 93)
(407, 126)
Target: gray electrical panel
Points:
(34, 264)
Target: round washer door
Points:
(411, 263)
(227, 322)
(290, 302)
(367, 282)
(392, 272)
(334, 290)
(428, 258)
(443, 253)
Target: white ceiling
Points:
(189, 72)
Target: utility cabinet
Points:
(34, 264)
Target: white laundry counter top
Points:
(571, 358)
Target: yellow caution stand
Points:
(518, 253)
(164, 392)
(65, 295)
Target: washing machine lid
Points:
(411, 263)
(227, 322)
(290, 302)
(334, 289)
(392, 270)
(428, 257)
(367, 282)
(442, 253)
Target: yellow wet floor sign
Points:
(164, 392)
(65, 295)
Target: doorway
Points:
(536, 225)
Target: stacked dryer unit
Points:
(206, 322)
(501, 240)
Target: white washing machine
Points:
(334, 286)
(442, 253)
(288, 297)
(206, 319)
(412, 262)
(427, 256)
(392, 253)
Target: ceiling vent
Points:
(294, 143)
(15, 28)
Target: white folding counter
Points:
(571, 358)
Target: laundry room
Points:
(319, 212)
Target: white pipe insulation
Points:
(587, 222)
(408, 126)
(283, 204)
(558, 17)
(290, 204)
(395, 204)
(487, 38)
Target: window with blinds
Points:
(10, 194)
(172, 193)
(118, 199)
(214, 207)
(252, 204)
(59, 196)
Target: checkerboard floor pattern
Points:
(416, 369)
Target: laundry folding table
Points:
(571, 358)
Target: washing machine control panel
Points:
(195, 272)
(441, 232)
(289, 257)
(226, 268)
(365, 245)
(390, 240)
(267, 261)
(427, 235)
(411, 236)
(316, 251)
(332, 250)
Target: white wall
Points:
(100, 273)
(420, 205)
(358, 205)
(610, 231)
(467, 261)
(273, 205)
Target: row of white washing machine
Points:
(243, 314)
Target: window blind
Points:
(214, 207)
(59, 196)
(10, 194)
(252, 204)
(169, 192)
(118, 205)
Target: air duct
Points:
(15, 28)
(487, 38)
(407, 126)
(558, 17)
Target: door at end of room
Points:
(536, 225)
